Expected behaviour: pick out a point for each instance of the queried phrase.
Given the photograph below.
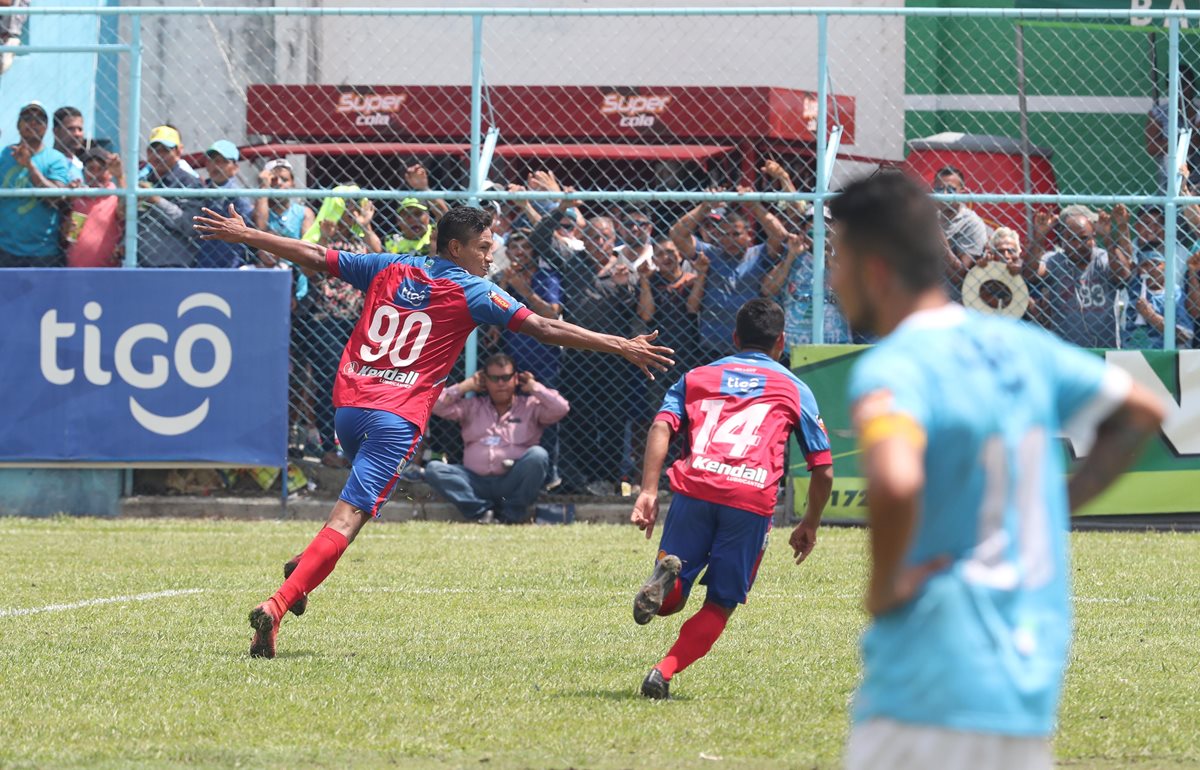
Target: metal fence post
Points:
(1171, 209)
(132, 132)
(818, 242)
(472, 349)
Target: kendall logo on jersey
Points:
(499, 301)
(414, 293)
(400, 377)
(743, 385)
(742, 474)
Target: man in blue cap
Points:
(222, 164)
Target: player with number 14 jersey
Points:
(735, 415)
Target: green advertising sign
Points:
(1165, 479)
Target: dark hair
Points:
(462, 224)
(759, 324)
(950, 171)
(1151, 210)
(63, 114)
(890, 215)
(499, 359)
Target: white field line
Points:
(16, 612)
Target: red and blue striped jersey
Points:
(417, 314)
(735, 415)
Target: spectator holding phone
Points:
(503, 467)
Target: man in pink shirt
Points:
(503, 467)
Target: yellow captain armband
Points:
(895, 425)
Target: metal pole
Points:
(1023, 108)
(132, 131)
(818, 243)
(472, 349)
(1170, 209)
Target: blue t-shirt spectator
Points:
(31, 225)
(729, 284)
(218, 253)
(529, 354)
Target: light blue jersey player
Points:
(958, 416)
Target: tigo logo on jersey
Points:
(743, 385)
(414, 293)
(499, 301)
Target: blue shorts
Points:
(378, 445)
(729, 541)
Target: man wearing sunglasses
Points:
(29, 233)
(503, 467)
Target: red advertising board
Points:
(648, 114)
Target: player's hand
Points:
(645, 355)
(526, 382)
(214, 227)
(645, 511)
(700, 262)
(803, 538)
(904, 586)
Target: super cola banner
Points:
(144, 366)
(1166, 478)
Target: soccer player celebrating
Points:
(417, 314)
(957, 416)
(737, 414)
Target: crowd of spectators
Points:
(1096, 278)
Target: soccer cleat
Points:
(652, 593)
(301, 604)
(655, 686)
(266, 627)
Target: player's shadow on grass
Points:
(617, 695)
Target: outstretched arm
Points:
(639, 351)
(232, 229)
(645, 509)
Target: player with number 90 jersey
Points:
(737, 414)
(417, 314)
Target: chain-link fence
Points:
(650, 168)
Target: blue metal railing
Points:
(1170, 200)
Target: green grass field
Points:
(488, 647)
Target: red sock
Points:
(316, 563)
(696, 638)
(674, 601)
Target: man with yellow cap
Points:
(165, 237)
